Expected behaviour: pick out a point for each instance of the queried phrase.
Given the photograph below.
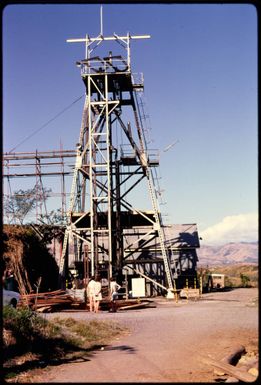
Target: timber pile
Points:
(126, 304)
(137, 305)
(49, 301)
(70, 299)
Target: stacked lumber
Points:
(137, 305)
(77, 294)
(126, 304)
(71, 299)
(48, 301)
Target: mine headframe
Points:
(104, 228)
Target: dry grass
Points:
(50, 342)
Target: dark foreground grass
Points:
(32, 342)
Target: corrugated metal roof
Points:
(176, 236)
(182, 235)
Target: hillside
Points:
(230, 253)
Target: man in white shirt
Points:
(94, 294)
(114, 287)
(91, 289)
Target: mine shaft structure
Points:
(112, 160)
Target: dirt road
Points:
(166, 343)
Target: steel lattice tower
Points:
(102, 222)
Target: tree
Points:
(22, 202)
(52, 226)
(244, 280)
(27, 251)
(29, 259)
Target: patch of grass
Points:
(49, 342)
(10, 375)
(90, 332)
(68, 322)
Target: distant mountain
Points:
(230, 253)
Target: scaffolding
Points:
(37, 166)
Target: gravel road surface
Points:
(166, 343)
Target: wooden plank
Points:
(44, 309)
(233, 357)
(136, 306)
(230, 369)
(48, 293)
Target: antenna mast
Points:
(101, 33)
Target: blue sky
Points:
(200, 78)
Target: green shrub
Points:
(245, 280)
(23, 322)
(28, 328)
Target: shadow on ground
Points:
(125, 348)
(53, 353)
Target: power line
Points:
(170, 145)
(45, 124)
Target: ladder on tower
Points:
(175, 269)
(145, 165)
(78, 164)
(159, 228)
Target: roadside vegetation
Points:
(239, 275)
(26, 245)
(235, 275)
(31, 342)
(29, 259)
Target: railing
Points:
(97, 65)
(137, 80)
(127, 151)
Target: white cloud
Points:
(234, 228)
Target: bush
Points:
(29, 330)
(24, 324)
(245, 280)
